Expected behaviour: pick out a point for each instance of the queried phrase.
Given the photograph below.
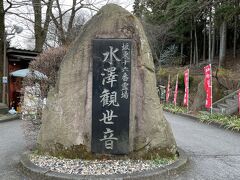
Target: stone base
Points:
(35, 172)
(81, 152)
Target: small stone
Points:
(96, 167)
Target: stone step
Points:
(223, 111)
(223, 105)
(227, 105)
(216, 110)
(231, 102)
(231, 110)
(235, 97)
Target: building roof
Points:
(14, 54)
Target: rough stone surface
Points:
(200, 97)
(67, 117)
(32, 101)
(32, 105)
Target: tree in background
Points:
(58, 18)
(226, 16)
(68, 22)
(191, 23)
(5, 6)
(40, 26)
(175, 16)
(34, 13)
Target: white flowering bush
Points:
(170, 56)
(32, 105)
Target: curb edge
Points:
(212, 123)
(30, 169)
(11, 118)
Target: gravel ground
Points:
(96, 167)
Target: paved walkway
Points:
(214, 153)
(12, 145)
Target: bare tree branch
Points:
(19, 15)
(10, 5)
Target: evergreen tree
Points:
(189, 23)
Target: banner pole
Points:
(211, 87)
(238, 92)
(168, 89)
(169, 82)
(238, 95)
(176, 92)
(188, 93)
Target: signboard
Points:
(5, 79)
(111, 95)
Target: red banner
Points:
(186, 84)
(208, 86)
(176, 92)
(168, 90)
(239, 101)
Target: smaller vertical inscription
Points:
(111, 95)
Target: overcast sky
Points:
(25, 40)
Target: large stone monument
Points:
(105, 100)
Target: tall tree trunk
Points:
(191, 45)
(235, 31)
(217, 42)
(194, 55)
(41, 32)
(182, 50)
(196, 45)
(204, 42)
(38, 24)
(235, 38)
(223, 40)
(213, 42)
(210, 36)
(2, 41)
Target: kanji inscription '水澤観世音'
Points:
(111, 95)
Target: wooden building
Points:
(17, 59)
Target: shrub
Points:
(47, 63)
(174, 109)
(228, 121)
(168, 56)
(35, 90)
